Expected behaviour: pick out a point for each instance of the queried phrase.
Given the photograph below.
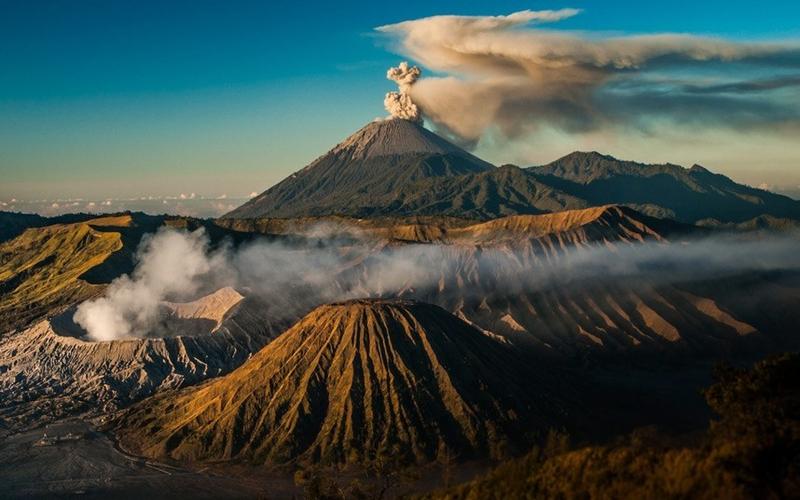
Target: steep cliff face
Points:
(352, 382)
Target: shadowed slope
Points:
(667, 190)
(350, 382)
(12, 224)
(398, 168)
(750, 450)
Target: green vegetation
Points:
(752, 450)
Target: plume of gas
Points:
(399, 103)
(322, 264)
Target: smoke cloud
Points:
(508, 74)
(399, 104)
(170, 264)
(324, 264)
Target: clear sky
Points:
(153, 98)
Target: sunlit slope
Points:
(48, 269)
(534, 278)
(40, 270)
(351, 382)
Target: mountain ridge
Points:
(398, 168)
(664, 190)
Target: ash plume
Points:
(508, 74)
(399, 103)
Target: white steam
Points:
(323, 264)
(399, 104)
(171, 264)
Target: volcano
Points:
(354, 177)
(351, 382)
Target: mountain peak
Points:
(378, 160)
(586, 156)
(394, 136)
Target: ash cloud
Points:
(508, 73)
(322, 264)
(399, 104)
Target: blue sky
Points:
(113, 99)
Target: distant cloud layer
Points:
(190, 205)
(512, 74)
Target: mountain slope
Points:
(499, 192)
(562, 283)
(348, 383)
(377, 160)
(47, 269)
(569, 282)
(398, 168)
(13, 224)
(688, 195)
(41, 270)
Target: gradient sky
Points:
(119, 99)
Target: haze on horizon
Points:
(136, 103)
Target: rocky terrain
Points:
(47, 373)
